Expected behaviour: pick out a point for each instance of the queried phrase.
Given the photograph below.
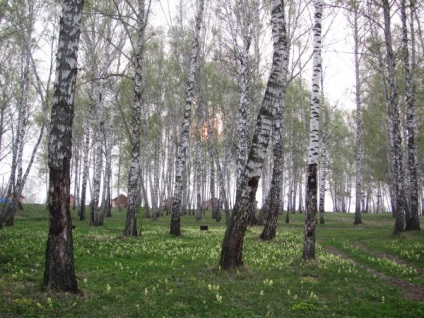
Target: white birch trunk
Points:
(323, 168)
(412, 221)
(133, 176)
(184, 137)
(156, 172)
(275, 205)
(16, 184)
(98, 163)
(359, 147)
(86, 150)
(313, 151)
(232, 246)
(394, 114)
(108, 126)
(242, 52)
(198, 183)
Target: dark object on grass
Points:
(203, 227)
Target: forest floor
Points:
(410, 291)
(359, 270)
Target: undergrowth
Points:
(157, 275)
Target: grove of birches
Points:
(190, 104)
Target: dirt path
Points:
(384, 255)
(411, 291)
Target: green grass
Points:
(157, 275)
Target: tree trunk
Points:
(133, 175)
(301, 193)
(323, 170)
(412, 221)
(86, 148)
(108, 134)
(59, 271)
(155, 197)
(291, 164)
(311, 186)
(9, 209)
(359, 151)
(182, 149)
(311, 208)
(396, 144)
(242, 55)
(198, 181)
(270, 229)
(212, 188)
(96, 102)
(275, 204)
(76, 178)
(98, 166)
(232, 246)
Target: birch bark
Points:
(59, 271)
(184, 137)
(232, 246)
(323, 170)
(242, 52)
(275, 201)
(109, 122)
(312, 172)
(275, 205)
(89, 33)
(359, 147)
(86, 147)
(198, 182)
(213, 152)
(17, 179)
(412, 221)
(133, 176)
(18, 143)
(95, 215)
(394, 114)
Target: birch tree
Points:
(312, 171)
(359, 146)
(6, 96)
(136, 111)
(184, 136)
(212, 138)
(24, 14)
(398, 181)
(232, 246)
(108, 125)
(244, 26)
(275, 199)
(86, 147)
(59, 273)
(412, 221)
(90, 36)
(323, 168)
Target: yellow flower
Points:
(218, 298)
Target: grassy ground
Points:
(360, 271)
